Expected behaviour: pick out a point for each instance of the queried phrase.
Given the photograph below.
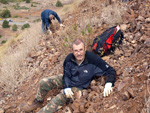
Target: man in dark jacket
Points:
(80, 68)
(47, 16)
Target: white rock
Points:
(1, 110)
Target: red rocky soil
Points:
(131, 61)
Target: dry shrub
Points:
(13, 69)
(70, 7)
(112, 14)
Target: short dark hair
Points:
(77, 41)
(53, 17)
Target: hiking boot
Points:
(29, 107)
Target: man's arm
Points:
(102, 68)
(66, 80)
(66, 77)
(57, 17)
(111, 75)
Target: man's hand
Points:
(50, 32)
(61, 25)
(107, 89)
(68, 92)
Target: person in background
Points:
(47, 16)
(80, 68)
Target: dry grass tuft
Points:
(112, 14)
(70, 7)
(13, 69)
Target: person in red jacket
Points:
(80, 68)
(47, 16)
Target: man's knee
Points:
(43, 82)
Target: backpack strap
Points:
(119, 34)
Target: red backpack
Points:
(108, 41)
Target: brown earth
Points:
(131, 61)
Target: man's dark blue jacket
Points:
(80, 76)
(45, 16)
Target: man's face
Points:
(79, 52)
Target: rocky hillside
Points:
(131, 60)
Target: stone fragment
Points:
(140, 18)
(123, 83)
(82, 109)
(131, 93)
(125, 96)
(147, 20)
(147, 42)
(1, 110)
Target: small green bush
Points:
(32, 5)
(15, 16)
(25, 26)
(5, 13)
(3, 41)
(75, 27)
(7, 1)
(4, 1)
(16, 6)
(58, 4)
(27, 1)
(83, 32)
(5, 24)
(0, 36)
(14, 27)
(89, 29)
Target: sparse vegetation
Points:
(14, 27)
(5, 13)
(37, 20)
(75, 27)
(3, 41)
(5, 24)
(83, 32)
(28, 1)
(4, 1)
(58, 4)
(15, 16)
(25, 26)
(89, 29)
(32, 5)
(12, 65)
(17, 7)
(7, 1)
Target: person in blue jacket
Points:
(47, 16)
(80, 68)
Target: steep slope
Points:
(131, 60)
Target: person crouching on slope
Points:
(47, 16)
